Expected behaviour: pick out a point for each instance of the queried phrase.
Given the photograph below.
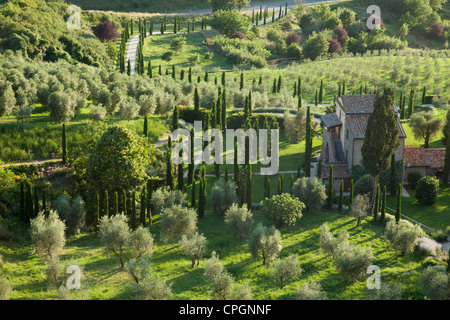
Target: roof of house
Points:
(358, 103)
(331, 120)
(357, 123)
(420, 157)
(436, 156)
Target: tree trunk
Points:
(359, 221)
(282, 283)
(377, 180)
(193, 262)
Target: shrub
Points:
(287, 268)
(265, 242)
(413, 178)
(167, 56)
(402, 235)
(436, 31)
(427, 190)
(292, 37)
(286, 26)
(71, 212)
(364, 185)
(106, 31)
(153, 287)
(311, 191)
(283, 209)
(316, 46)
(194, 59)
(48, 234)
(295, 51)
(177, 221)
(352, 261)
(240, 221)
(98, 112)
(213, 267)
(5, 234)
(209, 55)
(223, 195)
(328, 242)
(165, 198)
(115, 235)
(5, 289)
(311, 291)
(334, 46)
(194, 247)
(222, 287)
(428, 246)
(238, 35)
(341, 35)
(434, 283)
(178, 43)
(53, 272)
(229, 21)
(360, 207)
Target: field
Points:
(103, 278)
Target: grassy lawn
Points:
(103, 279)
(436, 216)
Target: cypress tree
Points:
(223, 78)
(124, 202)
(206, 76)
(273, 15)
(196, 100)
(266, 181)
(411, 104)
(446, 162)
(116, 203)
(131, 25)
(180, 177)
(149, 198)
(321, 91)
(106, 204)
(339, 90)
(377, 202)
(241, 85)
(44, 202)
(292, 184)
(188, 27)
(351, 192)
(175, 116)
(202, 198)
(393, 182)
(330, 189)
(343, 88)
(341, 195)
(145, 131)
(226, 173)
(193, 196)
(383, 205)
(64, 144)
(398, 212)
(160, 70)
(36, 201)
(29, 201)
(274, 87)
(175, 25)
(169, 166)
(133, 211)
(173, 72)
(191, 164)
(286, 9)
(165, 22)
(97, 215)
(143, 203)
(308, 144)
(198, 79)
(149, 69)
(316, 99)
(128, 67)
(253, 16)
(423, 94)
(22, 200)
(260, 80)
(151, 26)
(280, 185)
(279, 84)
(249, 186)
(224, 110)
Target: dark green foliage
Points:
(106, 204)
(116, 203)
(249, 186)
(427, 190)
(193, 196)
(64, 144)
(351, 192)
(145, 131)
(133, 218)
(180, 172)
(413, 178)
(377, 202)
(330, 189)
(175, 116)
(341, 196)
(143, 206)
(383, 205)
(398, 212)
(169, 166)
(191, 165)
(35, 201)
(308, 144)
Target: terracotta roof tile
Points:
(331, 120)
(415, 157)
(436, 157)
(358, 103)
(340, 171)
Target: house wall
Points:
(326, 138)
(422, 170)
(357, 156)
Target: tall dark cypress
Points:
(383, 205)
(64, 144)
(128, 67)
(169, 166)
(377, 202)
(202, 198)
(224, 110)
(180, 172)
(124, 202)
(398, 212)
(241, 85)
(321, 91)
(308, 144)
(280, 185)
(106, 204)
(97, 211)
(341, 195)
(350, 200)
(175, 116)
(191, 164)
(393, 180)
(190, 75)
(36, 201)
(330, 189)
(143, 207)
(145, 131)
(196, 100)
(279, 84)
(193, 196)
(249, 186)
(44, 202)
(116, 203)
(133, 219)
(149, 199)
(22, 200)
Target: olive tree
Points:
(223, 195)
(194, 247)
(48, 234)
(425, 125)
(265, 242)
(115, 235)
(286, 268)
(360, 207)
(328, 242)
(153, 287)
(165, 198)
(240, 221)
(311, 291)
(177, 221)
(5, 288)
(71, 212)
(352, 261)
(142, 243)
(311, 191)
(222, 282)
(434, 283)
(402, 235)
(242, 292)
